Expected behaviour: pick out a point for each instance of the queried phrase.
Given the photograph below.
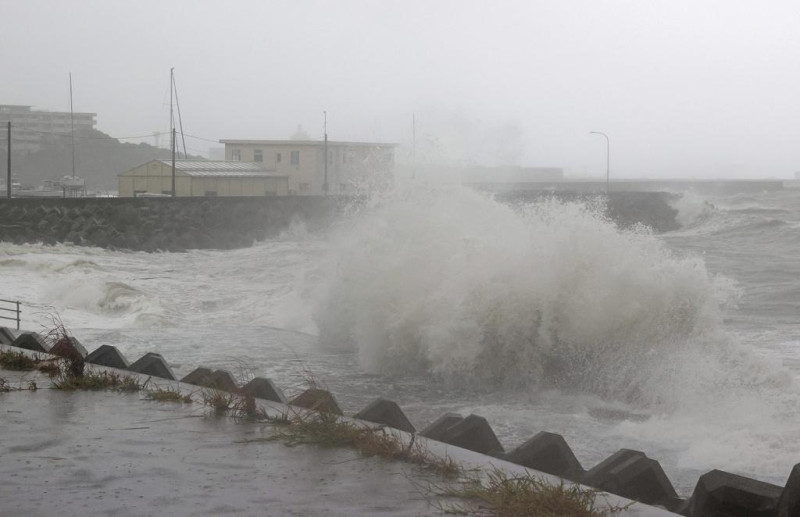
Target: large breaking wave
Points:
(448, 282)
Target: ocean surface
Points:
(684, 345)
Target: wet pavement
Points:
(109, 453)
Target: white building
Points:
(31, 128)
(352, 166)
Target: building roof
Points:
(221, 168)
(309, 143)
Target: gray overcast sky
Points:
(684, 88)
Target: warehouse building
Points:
(198, 178)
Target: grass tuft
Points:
(168, 395)
(329, 430)
(527, 495)
(11, 360)
(220, 401)
(91, 380)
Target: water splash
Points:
(446, 281)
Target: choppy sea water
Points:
(683, 345)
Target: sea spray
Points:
(448, 282)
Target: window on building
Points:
(258, 155)
(236, 155)
(305, 187)
(278, 158)
(295, 158)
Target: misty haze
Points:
(571, 217)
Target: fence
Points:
(16, 311)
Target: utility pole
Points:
(8, 184)
(413, 145)
(608, 156)
(173, 162)
(325, 130)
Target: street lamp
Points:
(608, 156)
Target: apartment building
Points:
(31, 128)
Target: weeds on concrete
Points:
(499, 493)
(11, 360)
(5, 387)
(92, 380)
(168, 395)
(244, 407)
(220, 401)
(329, 430)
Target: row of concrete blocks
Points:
(627, 473)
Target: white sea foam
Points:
(449, 282)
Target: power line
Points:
(54, 133)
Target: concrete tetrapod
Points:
(107, 355)
(31, 341)
(438, 429)
(387, 412)
(475, 434)
(317, 400)
(199, 377)
(7, 335)
(633, 475)
(262, 388)
(722, 493)
(789, 503)
(548, 452)
(223, 380)
(69, 348)
(152, 364)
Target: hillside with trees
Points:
(99, 159)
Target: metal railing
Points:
(15, 310)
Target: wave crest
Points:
(448, 282)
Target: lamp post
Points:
(325, 151)
(608, 155)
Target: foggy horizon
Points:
(683, 90)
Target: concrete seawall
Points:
(150, 224)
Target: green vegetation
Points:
(328, 430)
(220, 401)
(11, 360)
(168, 395)
(526, 495)
(92, 380)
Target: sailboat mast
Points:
(180, 118)
(172, 126)
(72, 124)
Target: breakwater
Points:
(627, 473)
(151, 224)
